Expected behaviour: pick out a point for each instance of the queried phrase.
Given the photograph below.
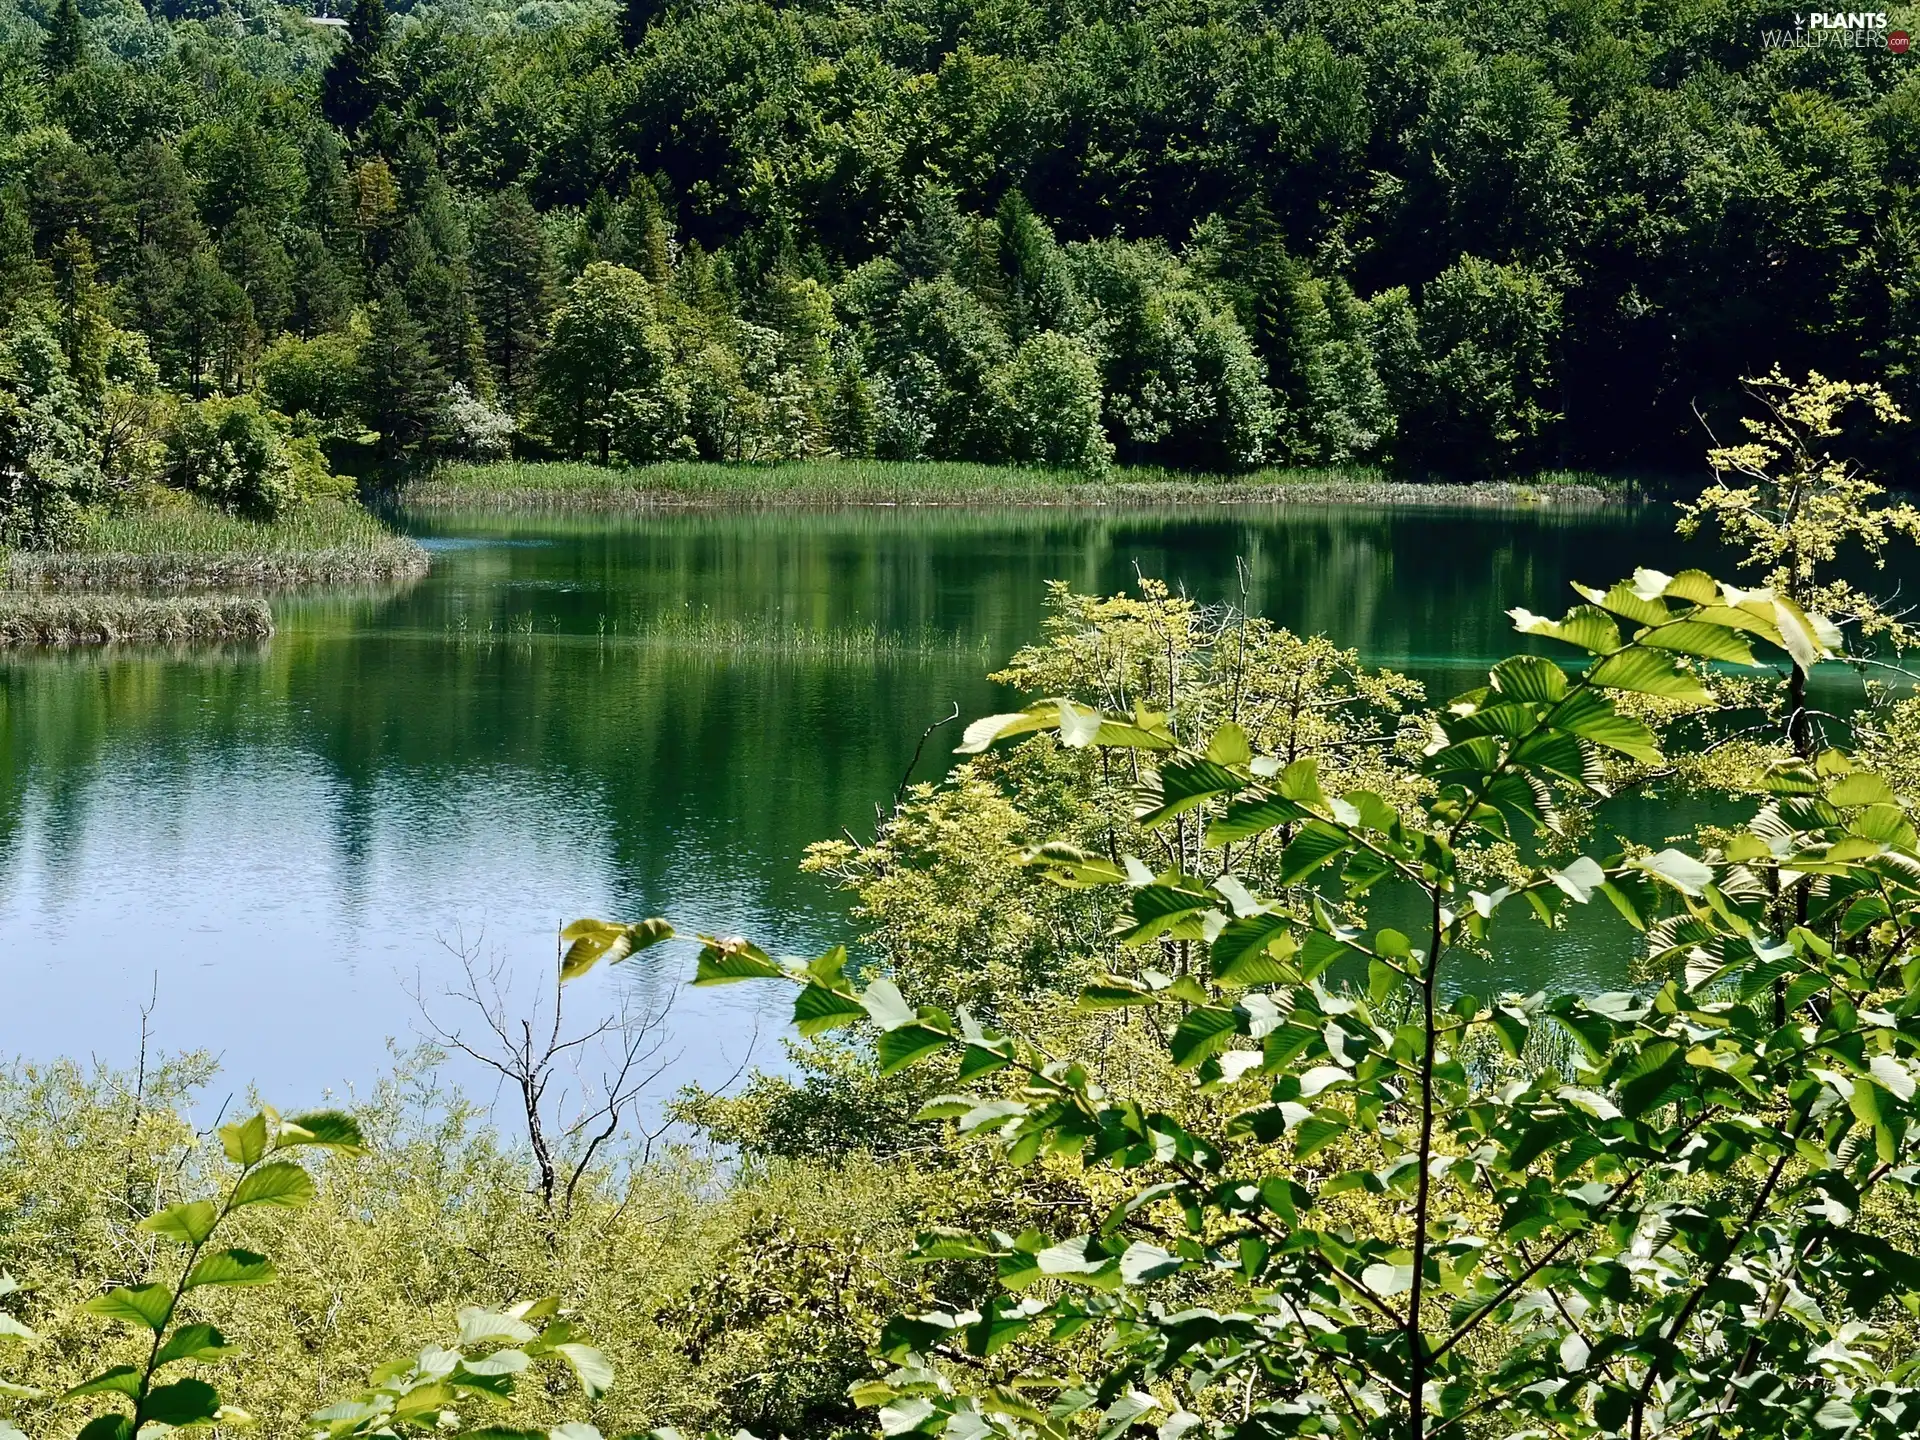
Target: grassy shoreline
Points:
(512, 485)
(186, 546)
(28, 620)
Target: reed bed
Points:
(703, 632)
(186, 546)
(574, 486)
(49, 620)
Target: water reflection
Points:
(285, 836)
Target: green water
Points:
(285, 841)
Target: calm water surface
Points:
(286, 841)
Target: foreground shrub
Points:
(1390, 1208)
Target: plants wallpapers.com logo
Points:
(1842, 29)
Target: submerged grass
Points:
(63, 620)
(187, 545)
(575, 486)
(700, 630)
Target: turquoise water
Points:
(283, 843)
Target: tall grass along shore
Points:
(192, 546)
(30, 620)
(573, 486)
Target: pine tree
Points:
(357, 81)
(66, 44)
(400, 384)
(513, 288)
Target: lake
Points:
(280, 846)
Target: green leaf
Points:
(1314, 844)
(1205, 1029)
(283, 1184)
(1698, 637)
(107, 1427)
(1648, 673)
(193, 1342)
(333, 1129)
(184, 1402)
(229, 1267)
(591, 941)
(1253, 951)
(1229, 745)
(246, 1142)
(1862, 787)
(901, 1047)
(1680, 870)
(816, 1010)
(480, 1326)
(1529, 677)
(145, 1305)
(120, 1380)
(886, 1006)
(1187, 783)
(189, 1223)
(12, 1329)
(593, 1370)
(1318, 1131)
(1587, 626)
(1245, 818)
(722, 962)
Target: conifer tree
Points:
(401, 385)
(512, 288)
(66, 43)
(357, 81)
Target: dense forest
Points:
(241, 245)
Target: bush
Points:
(318, 379)
(1049, 397)
(47, 468)
(473, 429)
(245, 458)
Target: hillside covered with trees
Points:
(241, 246)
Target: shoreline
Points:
(865, 485)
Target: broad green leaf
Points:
(1253, 951)
(183, 1403)
(1187, 783)
(1314, 844)
(229, 1267)
(283, 1184)
(886, 1006)
(574, 1430)
(1696, 637)
(479, 1326)
(1626, 602)
(333, 1129)
(901, 1047)
(120, 1380)
(1318, 1131)
(1072, 867)
(145, 1305)
(193, 1342)
(591, 941)
(816, 1010)
(12, 1329)
(724, 961)
(245, 1142)
(1680, 870)
(1529, 677)
(593, 1370)
(111, 1426)
(989, 728)
(1648, 673)
(1245, 818)
(1862, 787)
(1387, 1280)
(500, 1362)
(189, 1223)
(1205, 1030)
(1229, 746)
(1587, 626)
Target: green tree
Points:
(1050, 405)
(359, 80)
(209, 329)
(401, 384)
(65, 48)
(512, 289)
(606, 342)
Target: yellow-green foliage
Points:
(701, 1284)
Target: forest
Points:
(244, 248)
